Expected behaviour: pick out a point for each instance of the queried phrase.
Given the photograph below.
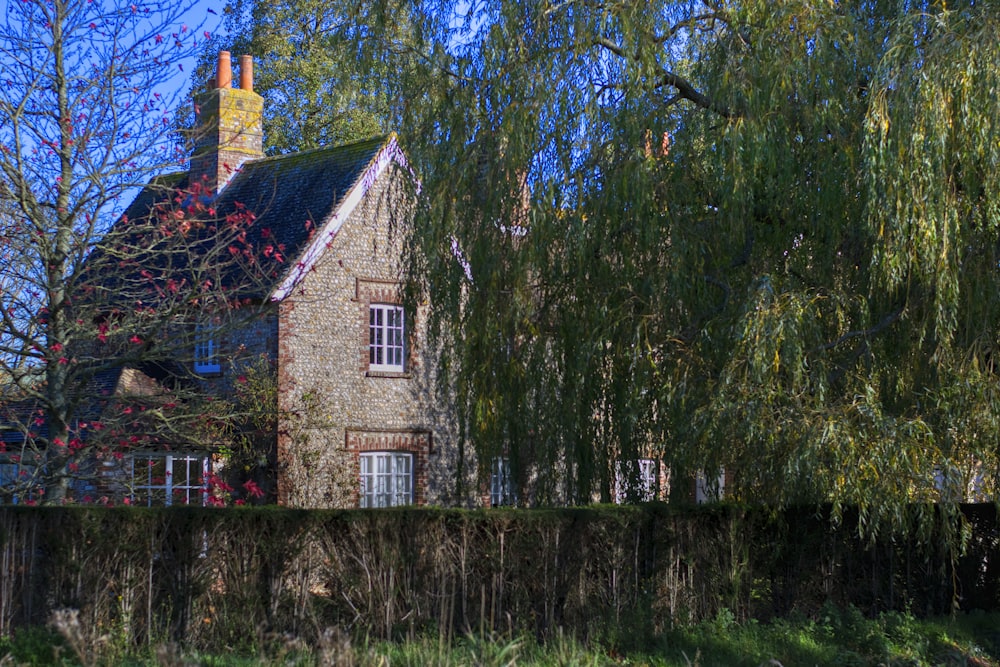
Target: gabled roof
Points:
(299, 200)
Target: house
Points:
(359, 420)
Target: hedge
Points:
(230, 577)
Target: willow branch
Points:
(884, 323)
(684, 87)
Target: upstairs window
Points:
(385, 338)
(206, 351)
(386, 479)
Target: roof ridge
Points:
(374, 139)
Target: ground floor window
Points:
(169, 479)
(386, 479)
(710, 487)
(501, 483)
(635, 481)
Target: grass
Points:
(832, 637)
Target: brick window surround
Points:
(416, 443)
(384, 293)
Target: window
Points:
(16, 481)
(501, 483)
(385, 338)
(386, 479)
(206, 351)
(170, 479)
(635, 481)
(968, 482)
(709, 489)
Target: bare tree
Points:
(85, 120)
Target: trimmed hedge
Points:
(232, 577)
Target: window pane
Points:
(382, 480)
(386, 479)
(401, 479)
(156, 471)
(367, 488)
(385, 337)
(170, 480)
(501, 484)
(206, 355)
(179, 474)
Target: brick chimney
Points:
(228, 125)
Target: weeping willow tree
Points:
(745, 235)
(741, 235)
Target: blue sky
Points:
(203, 16)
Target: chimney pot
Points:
(229, 126)
(246, 73)
(224, 70)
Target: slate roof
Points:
(285, 192)
(154, 192)
(20, 413)
(291, 196)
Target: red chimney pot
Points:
(246, 73)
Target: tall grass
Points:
(835, 636)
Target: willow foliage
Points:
(321, 70)
(759, 236)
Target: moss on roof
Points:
(290, 195)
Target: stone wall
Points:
(333, 406)
(252, 336)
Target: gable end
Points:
(388, 154)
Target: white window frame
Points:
(386, 479)
(644, 472)
(206, 351)
(151, 491)
(386, 338)
(501, 483)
